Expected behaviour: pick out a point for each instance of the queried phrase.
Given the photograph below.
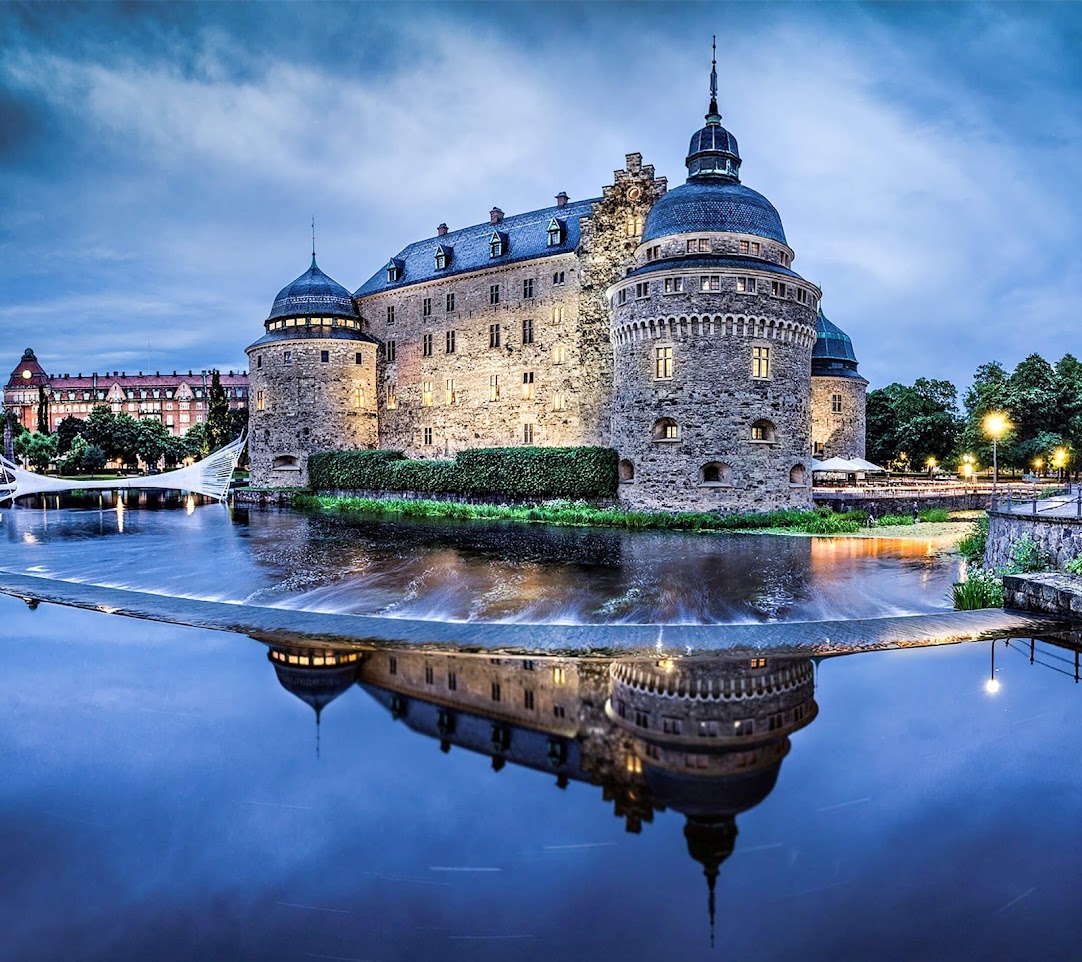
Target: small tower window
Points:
(555, 232)
(527, 331)
(663, 363)
(716, 473)
(835, 404)
(626, 470)
(763, 430)
(557, 278)
(760, 362)
(394, 270)
(745, 285)
(497, 244)
(443, 257)
(666, 429)
(324, 357)
(642, 290)
(797, 474)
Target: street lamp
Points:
(930, 464)
(1037, 465)
(1059, 459)
(995, 426)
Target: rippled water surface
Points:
(466, 571)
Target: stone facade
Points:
(838, 417)
(1059, 538)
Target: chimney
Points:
(495, 215)
(441, 230)
(562, 199)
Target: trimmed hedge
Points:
(506, 472)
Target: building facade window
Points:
(426, 307)
(559, 354)
(666, 429)
(527, 385)
(494, 293)
(836, 404)
(557, 278)
(763, 430)
(527, 330)
(426, 345)
(558, 314)
(428, 437)
(494, 335)
(663, 363)
(391, 349)
(497, 245)
(710, 282)
(494, 387)
(801, 296)
(259, 360)
(358, 358)
(749, 247)
(746, 285)
(559, 401)
(555, 233)
(426, 394)
(527, 434)
(392, 396)
(358, 397)
(287, 357)
(450, 302)
(760, 361)
(674, 285)
(452, 391)
(258, 402)
(390, 313)
(779, 289)
(621, 296)
(527, 287)
(449, 342)
(642, 290)
(715, 473)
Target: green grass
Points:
(579, 514)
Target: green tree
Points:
(125, 439)
(195, 442)
(152, 441)
(99, 428)
(218, 422)
(1032, 402)
(920, 421)
(72, 461)
(176, 450)
(66, 432)
(987, 393)
(93, 459)
(37, 448)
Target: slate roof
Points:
(713, 204)
(313, 293)
(713, 262)
(526, 236)
(833, 354)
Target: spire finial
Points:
(712, 115)
(313, 240)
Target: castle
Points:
(667, 324)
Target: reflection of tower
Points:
(711, 734)
(317, 676)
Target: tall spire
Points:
(313, 240)
(713, 116)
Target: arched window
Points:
(716, 473)
(666, 429)
(627, 471)
(285, 462)
(797, 474)
(763, 430)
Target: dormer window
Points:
(394, 270)
(443, 257)
(497, 245)
(555, 232)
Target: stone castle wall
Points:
(840, 433)
(302, 404)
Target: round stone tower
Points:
(312, 381)
(712, 335)
(837, 395)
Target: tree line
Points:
(1042, 402)
(85, 446)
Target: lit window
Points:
(426, 307)
(744, 247)
(559, 354)
(836, 403)
(449, 342)
(527, 434)
(527, 385)
(527, 287)
(642, 290)
(762, 431)
(666, 429)
(634, 225)
(745, 285)
(450, 302)
(494, 335)
(557, 314)
(452, 391)
(358, 397)
(711, 282)
(426, 394)
(426, 345)
(558, 278)
(494, 294)
(674, 285)
(527, 331)
(390, 313)
(428, 436)
(760, 362)
(392, 395)
(258, 402)
(390, 347)
(559, 401)
(778, 289)
(494, 387)
(664, 363)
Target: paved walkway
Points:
(812, 638)
(1058, 506)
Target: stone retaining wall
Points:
(1052, 593)
(902, 503)
(1059, 538)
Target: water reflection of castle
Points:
(703, 736)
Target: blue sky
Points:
(160, 164)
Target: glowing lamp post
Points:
(967, 466)
(1038, 463)
(930, 464)
(995, 426)
(1059, 460)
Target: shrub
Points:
(972, 546)
(1027, 556)
(981, 589)
(1074, 566)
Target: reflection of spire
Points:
(318, 712)
(710, 842)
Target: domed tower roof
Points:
(713, 199)
(833, 354)
(313, 294)
(28, 372)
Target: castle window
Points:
(559, 401)
(663, 363)
(391, 349)
(558, 711)
(358, 358)
(259, 400)
(390, 313)
(428, 437)
(287, 357)
(801, 296)
(527, 287)
(621, 296)
(557, 278)
(426, 345)
(835, 404)
(494, 294)
(426, 394)
(497, 245)
(796, 476)
(710, 282)
(392, 396)
(527, 699)
(324, 357)
(559, 354)
(653, 253)
(358, 397)
(494, 387)
(450, 302)
(779, 289)
(394, 270)
(443, 257)
(527, 385)
(763, 430)
(555, 232)
(527, 434)
(666, 429)
(817, 448)
(494, 335)
(672, 726)
(745, 285)
(716, 474)
(642, 290)
(426, 307)
(452, 391)
(430, 675)
(674, 285)
(642, 719)
(495, 691)
(259, 361)
(284, 462)
(626, 471)
(392, 665)
(527, 331)
(783, 259)
(452, 681)
(634, 225)
(449, 345)
(760, 362)
(557, 314)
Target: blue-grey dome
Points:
(313, 294)
(713, 204)
(713, 152)
(833, 354)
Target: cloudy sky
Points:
(160, 164)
